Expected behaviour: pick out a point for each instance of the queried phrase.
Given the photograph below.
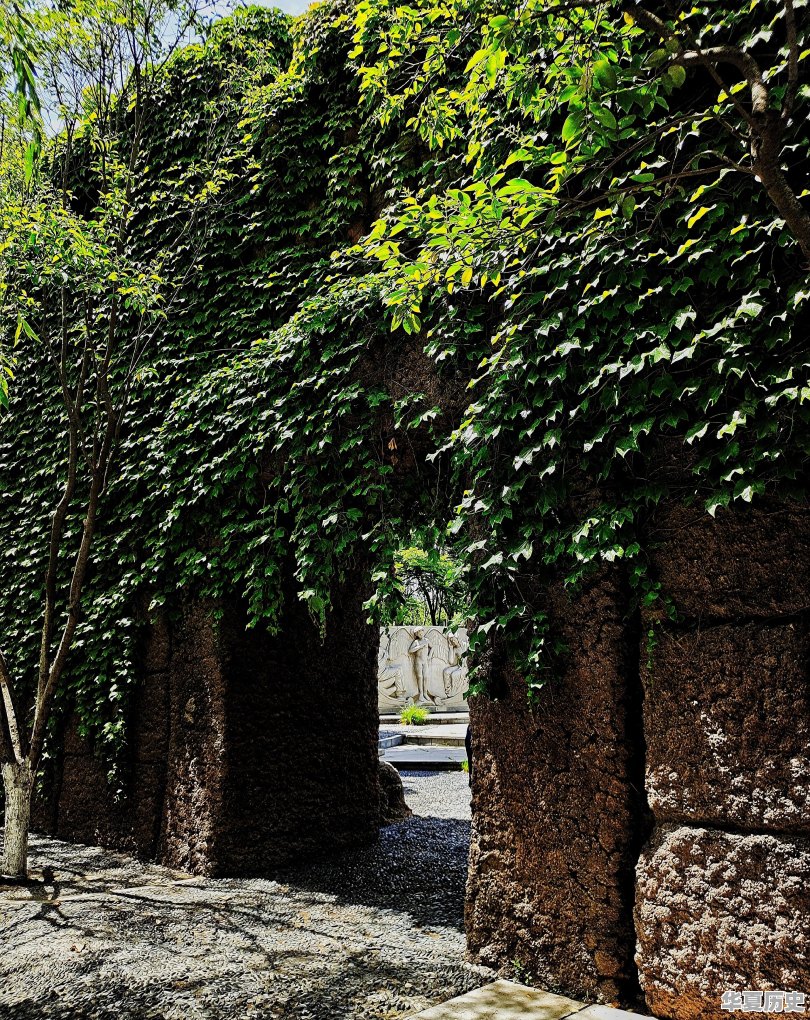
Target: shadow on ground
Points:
(374, 933)
(418, 867)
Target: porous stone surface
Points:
(392, 796)
(196, 773)
(301, 764)
(740, 563)
(727, 726)
(555, 830)
(373, 933)
(717, 910)
(80, 804)
(246, 749)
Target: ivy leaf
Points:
(572, 126)
(677, 74)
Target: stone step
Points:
(387, 739)
(507, 1000)
(428, 735)
(422, 758)
(434, 740)
(436, 719)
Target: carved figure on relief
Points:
(454, 672)
(395, 672)
(420, 650)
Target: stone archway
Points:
(247, 750)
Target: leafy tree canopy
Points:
(592, 246)
(634, 212)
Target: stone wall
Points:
(247, 750)
(670, 784)
(723, 890)
(641, 835)
(555, 829)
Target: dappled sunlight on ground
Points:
(372, 933)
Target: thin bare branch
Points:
(10, 709)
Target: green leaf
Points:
(605, 73)
(572, 126)
(699, 215)
(605, 117)
(677, 75)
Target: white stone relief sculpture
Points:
(422, 666)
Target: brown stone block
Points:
(74, 743)
(196, 759)
(302, 729)
(87, 809)
(150, 723)
(157, 648)
(717, 911)
(556, 812)
(727, 725)
(90, 813)
(144, 808)
(752, 562)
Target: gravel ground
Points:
(368, 934)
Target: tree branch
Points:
(744, 63)
(765, 125)
(60, 514)
(10, 710)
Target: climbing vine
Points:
(649, 270)
(481, 275)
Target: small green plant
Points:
(414, 715)
(521, 974)
(465, 766)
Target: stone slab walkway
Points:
(506, 1000)
(372, 933)
(425, 757)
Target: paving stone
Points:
(598, 1012)
(505, 1000)
(413, 756)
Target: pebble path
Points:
(375, 933)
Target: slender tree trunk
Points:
(18, 782)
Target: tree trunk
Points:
(18, 782)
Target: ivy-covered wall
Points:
(640, 834)
(283, 440)
(269, 415)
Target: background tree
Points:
(429, 587)
(74, 287)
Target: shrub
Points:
(414, 715)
